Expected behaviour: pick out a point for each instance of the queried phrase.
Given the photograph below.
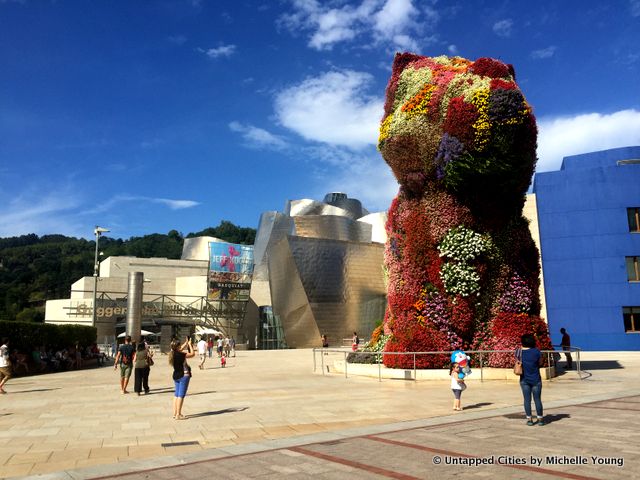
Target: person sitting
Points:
(19, 361)
(40, 364)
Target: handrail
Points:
(325, 351)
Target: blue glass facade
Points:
(585, 240)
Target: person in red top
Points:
(565, 343)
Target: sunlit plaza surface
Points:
(268, 415)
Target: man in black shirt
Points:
(565, 343)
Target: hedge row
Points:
(25, 336)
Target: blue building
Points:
(589, 223)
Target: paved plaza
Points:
(267, 415)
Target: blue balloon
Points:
(457, 354)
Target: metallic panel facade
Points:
(320, 269)
(332, 227)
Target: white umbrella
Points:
(144, 333)
(207, 331)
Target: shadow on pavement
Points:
(477, 405)
(556, 417)
(218, 412)
(548, 418)
(597, 365)
(37, 390)
(199, 393)
(156, 391)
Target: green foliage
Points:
(24, 336)
(35, 269)
(367, 355)
(30, 315)
(229, 232)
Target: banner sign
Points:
(230, 269)
(230, 257)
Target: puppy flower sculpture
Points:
(463, 269)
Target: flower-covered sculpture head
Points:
(463, 126)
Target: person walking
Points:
(219, 346)
(202, 352)
(141, 369)
(124, 358)
(181, 373)
(5, 364)
(227, 347)
(530, 380)
(565, 343)
(210, 345)
(233, 346)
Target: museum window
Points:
(633, 268)
(631, 317)
(633, 215)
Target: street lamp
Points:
(97, 231)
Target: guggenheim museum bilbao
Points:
(317, 268)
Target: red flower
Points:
(460, 119)
(490, 67)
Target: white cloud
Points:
(394, 19)
(544, 53)
(362, 175)
(503, 28)
(35, 212)
(173, 204)
(635, 8)
(453, 49)
(571, 135)
(392, 22)
(332, 108)
(258, 137)
(221, 51)
(107, 205)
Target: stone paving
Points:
(267, 414)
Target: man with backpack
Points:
(124, 358)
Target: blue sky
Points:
(144, 117)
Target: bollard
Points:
(345, 364)
(415, 375)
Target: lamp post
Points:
(97, 231)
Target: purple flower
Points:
(449, 151)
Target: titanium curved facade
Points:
(319, 268)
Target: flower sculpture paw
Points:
(460, 139)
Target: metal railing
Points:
(481, 355)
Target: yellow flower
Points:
(384, 129)
(482, 126)
(418, 103)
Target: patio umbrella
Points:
(144, 333)
(207, 331)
